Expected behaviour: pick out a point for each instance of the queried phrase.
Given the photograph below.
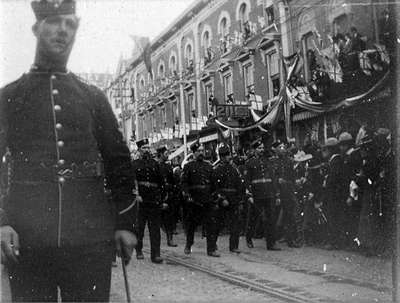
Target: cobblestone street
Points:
(173, 283)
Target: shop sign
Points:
(232, 111)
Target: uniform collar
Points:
(39, 69)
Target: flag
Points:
(143, 47)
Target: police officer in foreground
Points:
(229, 191)
(57, 229)
(150, 200)
(261, 181)
(168, 214)
(200, 207)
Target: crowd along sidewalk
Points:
(341, 276)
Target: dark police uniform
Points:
(61, 132)
(169, 214)
(200, 208)
(229, 186)
(285, 175)
(150, 184)
(261, 181)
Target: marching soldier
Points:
(285, 174)
(200, 208)
(260, 178)
(334, 193)
(168, 214)
(56, 226)
(229, 190)
(150, 197)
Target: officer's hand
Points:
(164, 206)
(251, 200)
(9, 244)
(281, 180)
(310, 196)
(139, 199)
(278, 202)
(349, 201)
(225, 203)
(125, 242)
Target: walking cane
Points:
(127, 290)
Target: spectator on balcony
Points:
(357, 41)
(387, 31)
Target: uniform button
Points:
(60, 143)
(61, 180)
(61, 162)
(57, 108)
(55, 91)
(53, 77)
(58, 126)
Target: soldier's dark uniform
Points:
(228, 185)
(334, 198)
(261, 181)
(60, 131)
(150, 187)
(196, 184)
(168, 215)
(284, 173)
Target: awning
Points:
(180, 150)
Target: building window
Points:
(206, 41)
(274, 81)
(269, 15)
(248, 76)
(307, 45)
(209, 93)
(243, 16)
(161, 71)
(163, 117)
(192, 104)
(228, 88)
(172, 65)
(223, 25)
(189, 58)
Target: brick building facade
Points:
(231, 52)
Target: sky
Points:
(103, 35)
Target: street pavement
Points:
(316, 274)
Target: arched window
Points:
(206, 40)
(189, 57)
(189, 52)
(161, 71)
(223, 26)
(172, 64)
(243, 13)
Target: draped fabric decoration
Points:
(301, 98)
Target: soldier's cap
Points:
(142, 143)
(46, 8)
(162, 149)
(331, 142)
(256, 144)
(223, 150)
(345, 137)
(195, 146)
